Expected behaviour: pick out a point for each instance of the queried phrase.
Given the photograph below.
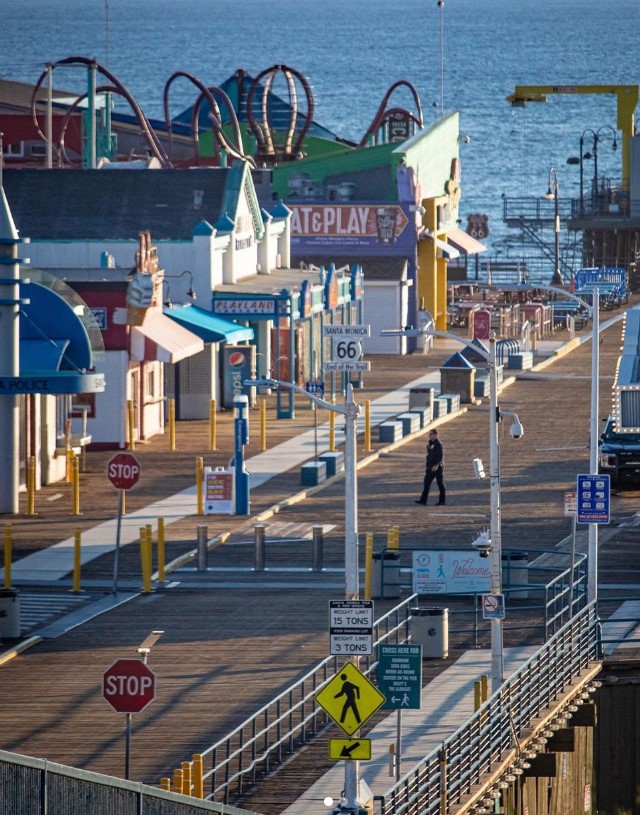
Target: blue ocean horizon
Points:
(352, 51)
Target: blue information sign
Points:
(316, 388)
(400, 676)
(593, 499)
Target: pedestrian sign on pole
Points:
(400, 676)
(350, 749)
(349, 698)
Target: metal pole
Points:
(351, 768)
(592, 578)
(49, 117)
(581, 175)
(573, 564)
(116, 556)
(496, 531)
(557, 275)
(398, 744)
(203, 552)
(127, 746)
(260, 530)
(318, 544)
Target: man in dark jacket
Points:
(435, 469)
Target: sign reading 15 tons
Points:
(351, 627)
(346, 347)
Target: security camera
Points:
(517, 430)
(482, 544)
(478, 467)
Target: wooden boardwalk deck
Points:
(229, 648)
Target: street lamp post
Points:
(495, 415)
(594, 312)
(594, 155)
(350, 410)
(552, 195)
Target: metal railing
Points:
(261, 743)
(491, 736)
(35, 786)
(286, 723)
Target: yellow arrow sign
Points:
(350, 749)
(349, 698)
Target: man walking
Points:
(435, 469)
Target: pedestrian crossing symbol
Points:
(349, 698)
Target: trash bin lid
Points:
(428, 612)
(9, 593)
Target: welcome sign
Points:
(451, 572)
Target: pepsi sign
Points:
(238, 365)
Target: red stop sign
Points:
(129, 685)
(123, 470)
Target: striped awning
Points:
(447, 249)
(161, 339)
(464, 242)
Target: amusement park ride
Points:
(244, 110)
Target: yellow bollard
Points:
(477, 695)
(186, 778)
(197, 776)
(77, 563)
(390, 537)
(177, 781)
(145, 561)
(76, 486)
(172, 424)
(332, 432)
(68, 473)
(31, 486)
(200, 484)
(393, 541)
(8, 545)
(213, 429)
(131, 441)
(161, 561)
(367, 426)
(263, 425)
(368, 565)
(165, 784)
(484, 684)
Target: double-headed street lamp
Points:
(593, 310)
(552, 195)
(495, 415)
(596, 134)
(350, 410)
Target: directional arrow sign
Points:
(350, 749)
(349, 698)
(400, 676)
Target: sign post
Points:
(129, 685)
(123, 470)
(571, 511)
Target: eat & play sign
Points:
(129, 685)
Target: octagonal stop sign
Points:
(129, 685)
(123, 470)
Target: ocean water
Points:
(353, 50)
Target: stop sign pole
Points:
(123, 470)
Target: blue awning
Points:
(208, 326)
(41, 355)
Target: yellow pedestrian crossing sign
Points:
(350, 749)
(350, 698)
